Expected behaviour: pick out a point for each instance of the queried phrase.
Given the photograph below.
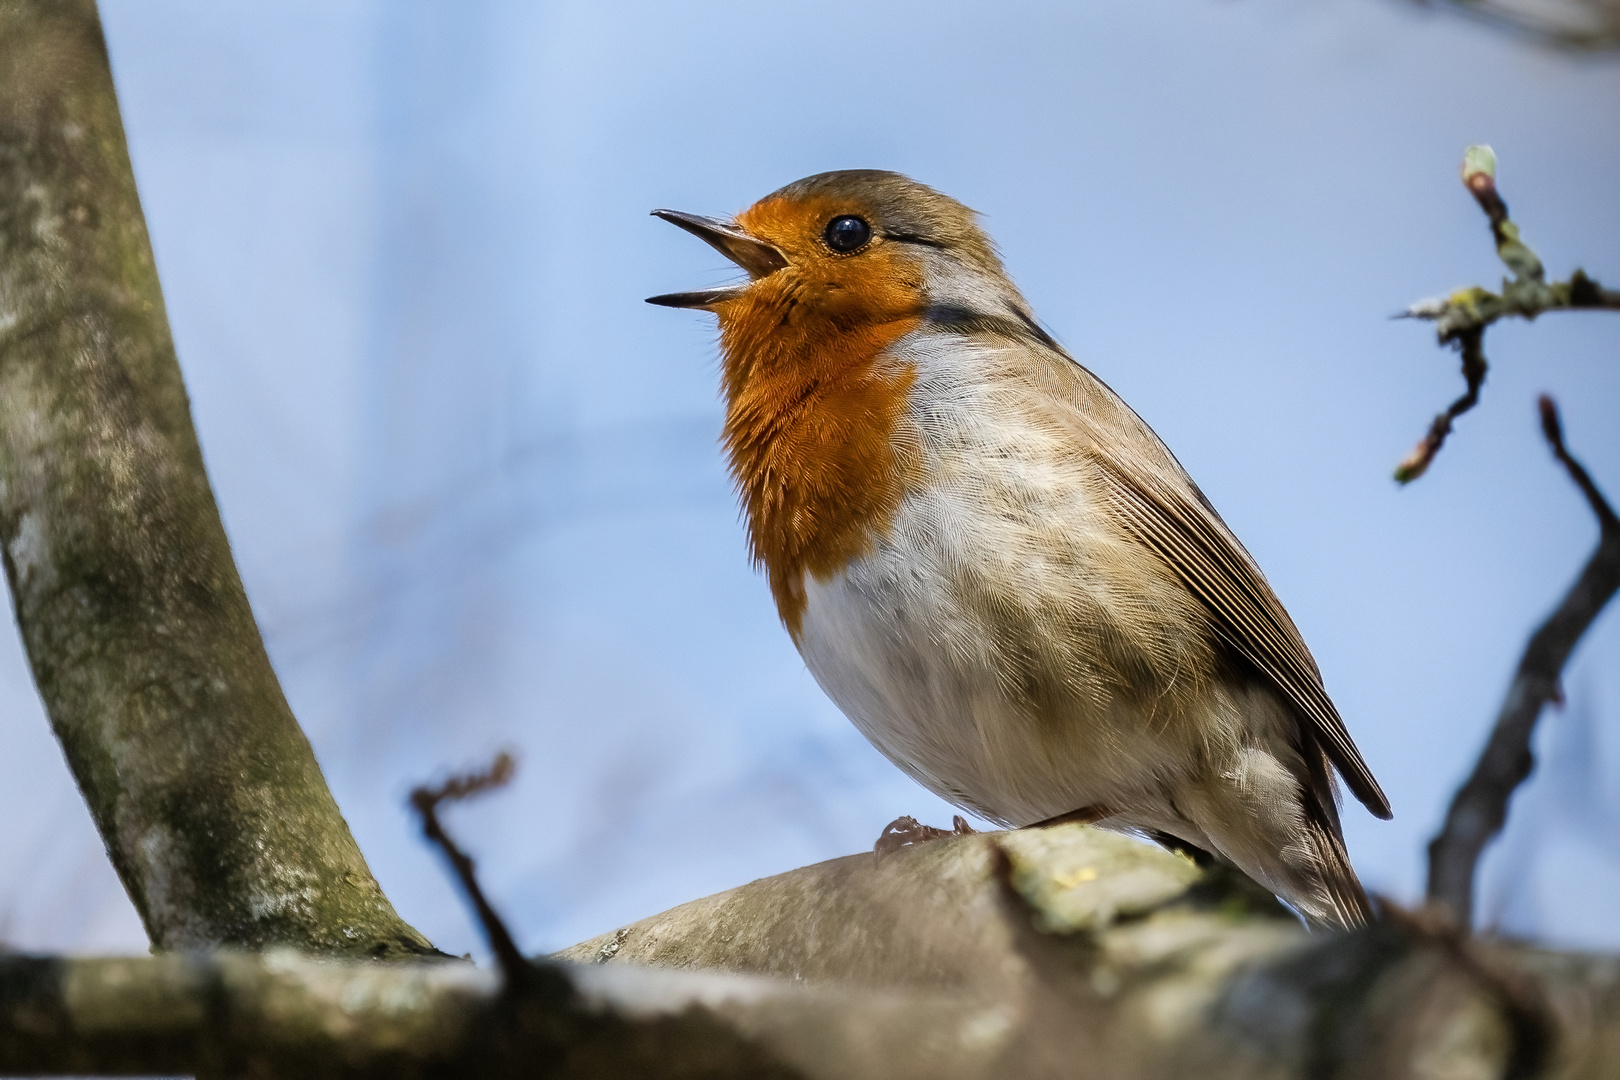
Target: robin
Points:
(992, 565)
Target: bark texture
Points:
(1070, 953)
(139, 634)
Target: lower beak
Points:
(752, 254)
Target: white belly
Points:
(985, 648)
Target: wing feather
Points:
(1249, 617)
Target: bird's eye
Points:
(847, 233)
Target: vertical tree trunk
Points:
(205, 790)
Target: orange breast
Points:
(814, 409)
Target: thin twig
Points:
(514, 965)
(1479, 808)
(1554, 431)
(1471, 345)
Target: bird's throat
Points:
(815, 427)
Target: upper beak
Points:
(753, 255)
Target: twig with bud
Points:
(1462, 317)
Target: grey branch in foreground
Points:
(1068, 952)
(1462, 318)
(142, 645)
(1479, 808)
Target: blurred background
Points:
(473, 483)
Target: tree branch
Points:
(139, 634)
(1575, 25)
(1067, 952)
(1479, 808)
(1462, 318)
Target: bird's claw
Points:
(906, 831)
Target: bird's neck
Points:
(814, 416)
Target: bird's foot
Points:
(905, 831)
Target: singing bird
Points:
(992, 565)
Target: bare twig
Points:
(1471, 345)
(1479, 808)
(516, 968)
(1554, 431)
(1461, 318)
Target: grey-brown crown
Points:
(905, 210)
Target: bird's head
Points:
(839, 250)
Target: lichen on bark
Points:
(137, 628)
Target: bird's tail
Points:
(1340, 890)
(1280, 825)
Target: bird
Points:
(991, 563)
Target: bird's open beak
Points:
(753, 255)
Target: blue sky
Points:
(473, 484)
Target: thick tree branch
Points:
(1479, 808)
(1462, 318)
(1067, 952)
(139, 634)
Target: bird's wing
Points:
(1187, 533)
(1157, 503)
